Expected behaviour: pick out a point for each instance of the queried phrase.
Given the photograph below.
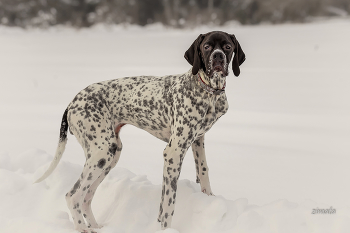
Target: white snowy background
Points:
(282, 150)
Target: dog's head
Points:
(213, 51)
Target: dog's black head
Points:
(213, 51)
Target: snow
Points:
(281, 151)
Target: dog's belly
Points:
(163, 133)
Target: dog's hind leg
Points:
(86, 207)
(100, 150)
(201, 165)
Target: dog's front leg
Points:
(173, 157)
(201, 165)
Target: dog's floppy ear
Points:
(239, 57)
(192, 55)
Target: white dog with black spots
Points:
(178, 109)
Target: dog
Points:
(178, 109)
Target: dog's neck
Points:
(216, 81)
(204, 77)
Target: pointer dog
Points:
(178, 109)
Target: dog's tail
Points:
(60, 148)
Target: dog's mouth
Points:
(218, 68)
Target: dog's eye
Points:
(227, 47)
(206, 47)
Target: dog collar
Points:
(210, 89)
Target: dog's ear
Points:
(192, 55)
(239, 57)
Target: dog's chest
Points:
(217, 106)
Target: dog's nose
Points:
(218, 56)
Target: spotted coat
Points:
(173, 108)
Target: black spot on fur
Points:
(171, 161)
(170, 200)
(101, 163)
(90, 137)
(92, 128)
(113, 148)
(76, 186)
(174, 184)
(179, 131)
(197, 143)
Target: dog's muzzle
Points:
(217, 61)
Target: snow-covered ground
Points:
(282, 150)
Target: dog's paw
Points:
(88, 231)
(96, 226)
(208, 192)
